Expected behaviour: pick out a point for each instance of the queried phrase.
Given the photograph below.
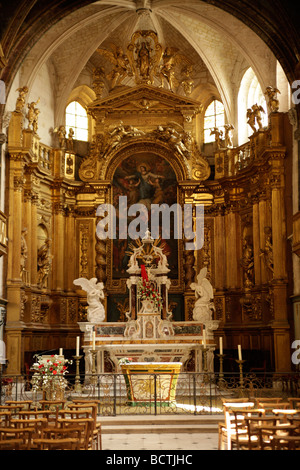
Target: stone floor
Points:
(160, 433)
(160, 441)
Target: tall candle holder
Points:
(77, 388)
(221, 380)
(94, 377)
(240, 363)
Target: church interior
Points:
(193, 103)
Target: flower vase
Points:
(54, 391)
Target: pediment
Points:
(145, 98)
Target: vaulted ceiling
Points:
(222, 38)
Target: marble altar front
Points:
(149, 334)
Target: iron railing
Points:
(195, 393)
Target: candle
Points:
(77, 345)
(93, 347)
(61, 351)
(240, 352)
(221, 345)
(204, 338)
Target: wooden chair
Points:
(270, 405)
(294, 402)
(284, 413)
(24, 404)
(57, 444)
(286, 443)
(72, 432)
(97, 431)
(244, 435)
(227, 428)
(35, 424)
(11, 444)
(87, 424)
(5, 417)
(259, 400)
(268, 432)
(50, 404)
(24, 435)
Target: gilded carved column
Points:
(70, 258)
(232, 243)
(14, 324)
(282, 347)
(58, 247)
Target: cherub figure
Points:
(251, 119)
(257, 113)
(273, 103)
(32, 114)
(228, 135)
(218, 135)
(21, 99)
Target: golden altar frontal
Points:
(151, 382)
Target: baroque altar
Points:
(149, 334)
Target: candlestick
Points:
(93, 347)
(77, 387)
(240, 352)
(94, 376)
(221, 345)
(77, 345)
(240, 363)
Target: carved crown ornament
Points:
(147, 62)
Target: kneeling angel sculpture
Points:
(94, 289)
(204, 298)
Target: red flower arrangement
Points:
(147, 291)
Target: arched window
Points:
(77, 119)
(214, 117)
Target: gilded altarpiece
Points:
(53, 218)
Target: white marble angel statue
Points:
(204, 298)
(94, 289)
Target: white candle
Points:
(77, 345)
(221, 345)
(93, 347)
(204, 338)
(240, 352)
(61, 351)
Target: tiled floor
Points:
(160, 441)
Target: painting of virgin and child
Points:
(144, 179)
